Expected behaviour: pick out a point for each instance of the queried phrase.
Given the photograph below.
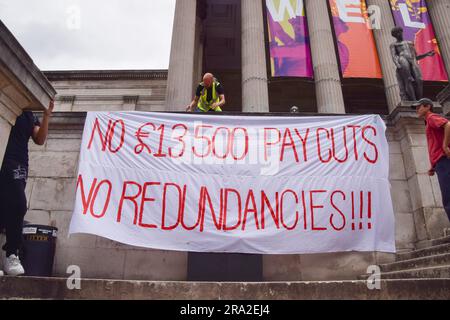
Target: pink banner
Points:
(290, 54)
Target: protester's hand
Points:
(431, 172)
(447, 151)
(51, 106)
(188, 108)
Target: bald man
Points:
(209, 96)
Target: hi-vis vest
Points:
(205, 105)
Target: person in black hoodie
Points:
(13, 178)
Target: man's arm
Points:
(40, 132)
(446, 139)
(191, 106)
(221, 102)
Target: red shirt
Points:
(435, 137)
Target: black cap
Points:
(424, 101)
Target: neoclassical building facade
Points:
(228, 38)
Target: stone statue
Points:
(409, 75)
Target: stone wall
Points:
(110, 95)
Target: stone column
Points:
(181, 65)
(383, 39)
(255, 93)
(440, 13)
(326, 70)
(199, 43)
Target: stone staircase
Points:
(419, 274)
(56, 288)
(431, 262)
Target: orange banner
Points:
(356, 44)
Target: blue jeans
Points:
(443, 173)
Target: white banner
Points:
(246, 184)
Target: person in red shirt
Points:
(438, 138)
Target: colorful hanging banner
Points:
(413, 17)
(290, 52)
(357, 51)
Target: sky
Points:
(92, 34)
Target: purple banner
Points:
(290, 53)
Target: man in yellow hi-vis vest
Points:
(209, 96)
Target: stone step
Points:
(442, 272)
(427, 261)
(56, 288)
(435, 242)
(438, 249)
(438, 241)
